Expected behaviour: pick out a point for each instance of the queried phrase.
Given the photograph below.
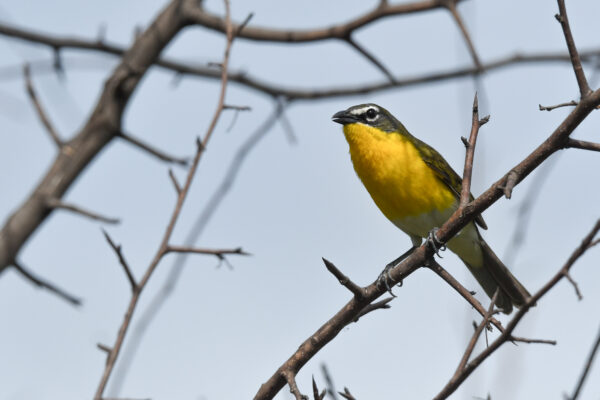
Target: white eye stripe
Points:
(362, 110)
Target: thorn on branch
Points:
(344, 280)
(152, 150)
(119, 253)
(290, 378)
(288, 128)
(382, 304)
(511, 181)
(465, 141)
(57, 64)
(316, 394)
(44, 284)
(174, 181)
(39, 109)
(59, 204)
(575, 285)
(346, 394)
(104, 348)
(241, 26)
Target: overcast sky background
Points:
(224, 332)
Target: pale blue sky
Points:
(223, 332)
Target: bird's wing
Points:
(444, 172)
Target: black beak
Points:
(344, 117)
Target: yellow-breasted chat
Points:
(417, 190)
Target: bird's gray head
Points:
(369, 114)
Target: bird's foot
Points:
(434, 243)
(385, 278)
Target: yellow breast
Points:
(390, 167)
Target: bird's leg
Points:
(385, 278)
(435, 244)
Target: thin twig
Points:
(476, 123)
(118, 251)
(458, 379)
(329, 381)
(59, 204)
(586, 368)
(214, 252)
(346, 394)
(575, 286)
(290, 378)
(176, 184)
(451, 6)
(550, 108)
(39, 109)
(152, 150)
(371, 58)
(44, 284)
(151, 312)
(343, 279)
(584, 88)
(466, 294)
(200, 146)
(378, 305)
(582, 144)
(471, 346)
(316, 394)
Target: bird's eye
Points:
(371, 113)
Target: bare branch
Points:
(457, 379)
(329, 381)
(122, 261)
(290, 378)
(465, 194)
(201, 222)
(44, 284)
(586, 368)
(382, 10)
(584, 88)
(451, 6)
(533, 341)
(152, 150)
(220, 253)
(550, 108)
(200, 146)
(59, 204)
(343, 279)
(582, 144)
(39, 109)
(466, 294)
(371, 58)
(471, 346)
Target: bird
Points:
(417, 190)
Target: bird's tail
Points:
(493, 274)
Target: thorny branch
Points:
(164, 245)
(457, 379)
